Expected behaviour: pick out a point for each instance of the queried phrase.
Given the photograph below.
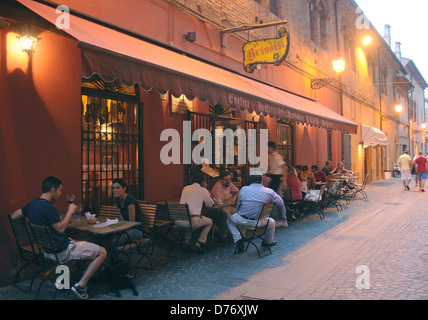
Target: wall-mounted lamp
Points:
(398, 108)
(338, 67)
(190, 36)
(28, 43)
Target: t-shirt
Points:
(404, 161)
(294, 183)
(130, 199)
(421, 162)
(42, 212)
(320, 176)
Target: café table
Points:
(99, 229)
(219, 213)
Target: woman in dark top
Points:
(129, 210)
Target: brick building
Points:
(100, 92)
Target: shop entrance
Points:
(111, 136)
(219, 161)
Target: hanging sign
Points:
(268, 51)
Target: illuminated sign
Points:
(270, 51)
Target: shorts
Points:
(422, 175)
(76, 250)
(406, 175)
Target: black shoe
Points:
(265, 244)
(239, 246)
(407, 187)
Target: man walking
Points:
(42, 212)
(276, 165)
(405, 163)
(421, 171)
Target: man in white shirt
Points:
(195, 195)
(250, 200)
(405, 162)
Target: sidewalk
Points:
(310, 259)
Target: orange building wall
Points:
(39, 126)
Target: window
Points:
(284, 143)
(313, 16)
(323, 26)
(329, 145)
(110, 140)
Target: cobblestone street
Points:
(386, 234)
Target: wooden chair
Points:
(359, 188)
(333, 194)
(178, 211)
(316, 205)
(250, 234)
(44, 239)
(153, 225)
(292, 205)
(27, 247)
(109, 212)
(139, 247)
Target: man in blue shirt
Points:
(42, 212)
(250, 200)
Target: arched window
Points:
(323, 25)
(313, 15)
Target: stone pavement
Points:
(385, 235)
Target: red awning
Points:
(116, 55)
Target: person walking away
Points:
(405, 163)
(42, 212)
(275, 166)
(421, 170)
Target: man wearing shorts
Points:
(421, 170)
(42, 212)
(405, 162)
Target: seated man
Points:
(42, 212)
(225, 192)
(196, 195)
(328, 168)
(250, 200)
(318, 174)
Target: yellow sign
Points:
(272, 51)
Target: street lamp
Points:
(28, 43)
(338, 67)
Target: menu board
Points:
(210, 171)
